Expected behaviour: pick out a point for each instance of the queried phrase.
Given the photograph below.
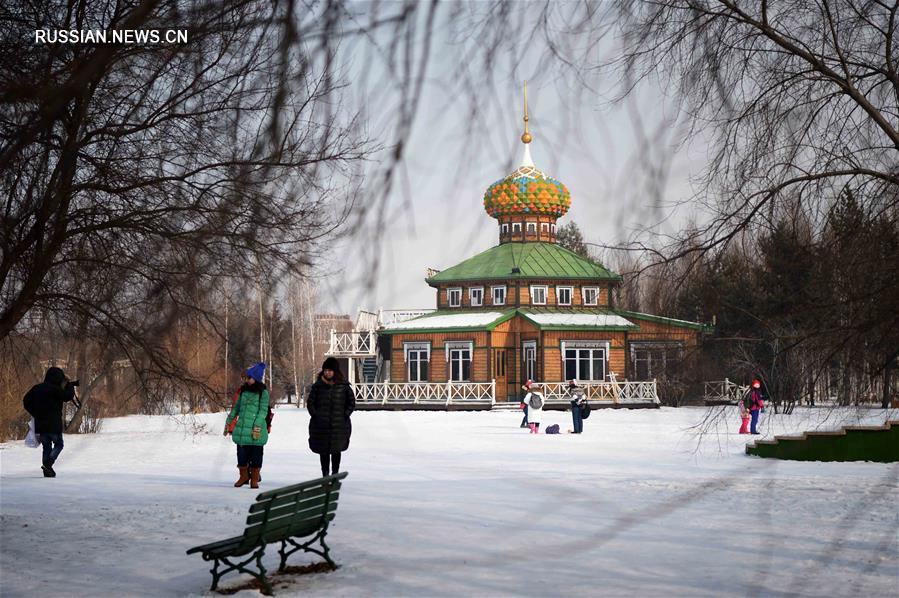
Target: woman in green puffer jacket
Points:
(248, 423)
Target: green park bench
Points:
(281, 515)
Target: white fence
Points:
(614, 392)
(445, 393)
(723, 390)
(460, 393)
(353, 344)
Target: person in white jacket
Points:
(534, 401)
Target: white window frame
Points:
(570, 295)
(532, 225)
(529, 347)
(544, 227)
(664, 346)
(449, 295)
(471, 293)
(552, 228)
(493, 290)
(449, 348)
(584, 295)
(516, 227)
(504, 228)
(597, 344)
(545, 293)
(418, 347)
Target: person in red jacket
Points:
(755, 403)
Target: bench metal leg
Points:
(241, 567)
(307, 547)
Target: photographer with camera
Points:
(44, 402)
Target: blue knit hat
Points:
(257, 372)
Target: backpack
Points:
(553, 429)
(585, 410)
(536, 401)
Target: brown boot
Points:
(254, 477)
(244, 476)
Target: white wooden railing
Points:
(616, 392)
(723, 390)
(393, 316)
(446, 393)
(353, 344)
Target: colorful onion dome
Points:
(527, 191)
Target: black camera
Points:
(74, 382)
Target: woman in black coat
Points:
(330, 403)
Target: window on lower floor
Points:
(585, 362)
(418, 357)
(459, 361)
(650, 361)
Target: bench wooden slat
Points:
(216, 545)
(289, 500)
(287, 530)
(310, 484)
(299, 521)
(308, 509)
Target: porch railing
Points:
(625, 391)
(358, 343)
(723, 390)
(447, 393)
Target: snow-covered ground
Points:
(463, 504)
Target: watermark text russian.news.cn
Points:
(110, 36)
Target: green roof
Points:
(533, 260)
(449, 320)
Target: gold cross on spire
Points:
(526, 136)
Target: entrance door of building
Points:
(499, 374)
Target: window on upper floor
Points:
(590, 295)
(504, 229)
(544, 227)
(532, 228)
(563, 295)
(476, 296)
(516, 227)
(499, 295)
(538, 295)
(454, 297)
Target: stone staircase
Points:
(850, 443)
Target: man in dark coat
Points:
(44, 403)
(330, 403)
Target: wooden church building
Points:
(529, 308)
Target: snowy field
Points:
(463, 504)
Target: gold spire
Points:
(526, 136)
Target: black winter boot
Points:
(47, 468)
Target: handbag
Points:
(32, 439)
